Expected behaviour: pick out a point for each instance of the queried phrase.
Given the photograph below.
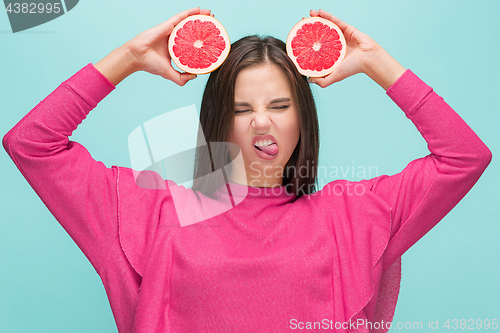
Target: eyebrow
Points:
(280, 100)
(277, 100)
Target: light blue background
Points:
(47, 285)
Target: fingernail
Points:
(311, 81)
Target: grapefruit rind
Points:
(293, 33)
(214, 65)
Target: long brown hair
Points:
(217, 116)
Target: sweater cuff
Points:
(408, 91)
(90, 84)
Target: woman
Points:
(277, 260)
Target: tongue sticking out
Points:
(272, 149)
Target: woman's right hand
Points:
(147, 52)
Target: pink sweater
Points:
(273, 263)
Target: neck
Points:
(268, 177)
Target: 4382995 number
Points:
(33, 8)
(471, 324)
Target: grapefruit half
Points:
(199, 44)
(316, 46)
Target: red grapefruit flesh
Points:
(199, 44)
(316, 46)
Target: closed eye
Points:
(241, 111)
(280, 107)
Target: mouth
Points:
(265, 146)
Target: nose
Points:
(261, 120)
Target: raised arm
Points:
(429, 187)
(80, 192)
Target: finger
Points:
(313, 13)
(186, 77)
(205, 12)
(320, 81)
(177, 77)
(172, 75)
(342, 25)
(325, 81)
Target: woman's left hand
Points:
(363, 55)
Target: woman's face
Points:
(266, 124)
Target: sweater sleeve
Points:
(79, 191)
(429, 187)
